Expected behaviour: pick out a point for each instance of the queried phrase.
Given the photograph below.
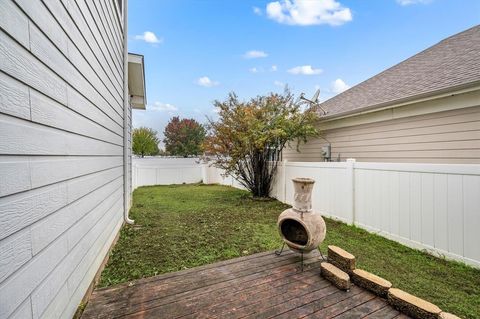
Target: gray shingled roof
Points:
(452, 63)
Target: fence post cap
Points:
(351, 160)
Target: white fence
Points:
(435, 207)
(165, 171)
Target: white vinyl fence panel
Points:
(434, 207)
(165, 171)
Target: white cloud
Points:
(409, 2)
(305, 70)
(338, 86)
(274, 68)
(254, 54)
(278, 83)
(308, 12)
(206, 82)
(257, 11)
(149, 37)
(159, 106)
(253, 70)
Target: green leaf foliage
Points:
(145, 141)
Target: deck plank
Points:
(342, 306)
(276, 299)
(256, 286)
(301, 308)
(364, 309)
(386, 312)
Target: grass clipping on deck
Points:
(183, 226)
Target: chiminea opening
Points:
(294, 232)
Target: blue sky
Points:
(198, 51)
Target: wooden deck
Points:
(257, 286)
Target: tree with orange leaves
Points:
(183, 137)
(248, 137)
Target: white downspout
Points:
(126, 106)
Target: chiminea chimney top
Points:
(303, 194)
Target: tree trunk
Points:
(259, 172)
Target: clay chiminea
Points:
(302, 228)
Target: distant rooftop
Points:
(453, 63)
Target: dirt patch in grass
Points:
(183, 226)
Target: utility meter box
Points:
(326, 152)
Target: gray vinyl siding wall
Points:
(443, 137)
(61, 151)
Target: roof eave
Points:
(136, 81)
(450, 91)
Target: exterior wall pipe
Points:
(126, 106)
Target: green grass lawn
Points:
(183, 226)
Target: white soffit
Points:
(136, 81)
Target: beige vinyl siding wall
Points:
(61, 151)
(442, 137)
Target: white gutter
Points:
(126, 106)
